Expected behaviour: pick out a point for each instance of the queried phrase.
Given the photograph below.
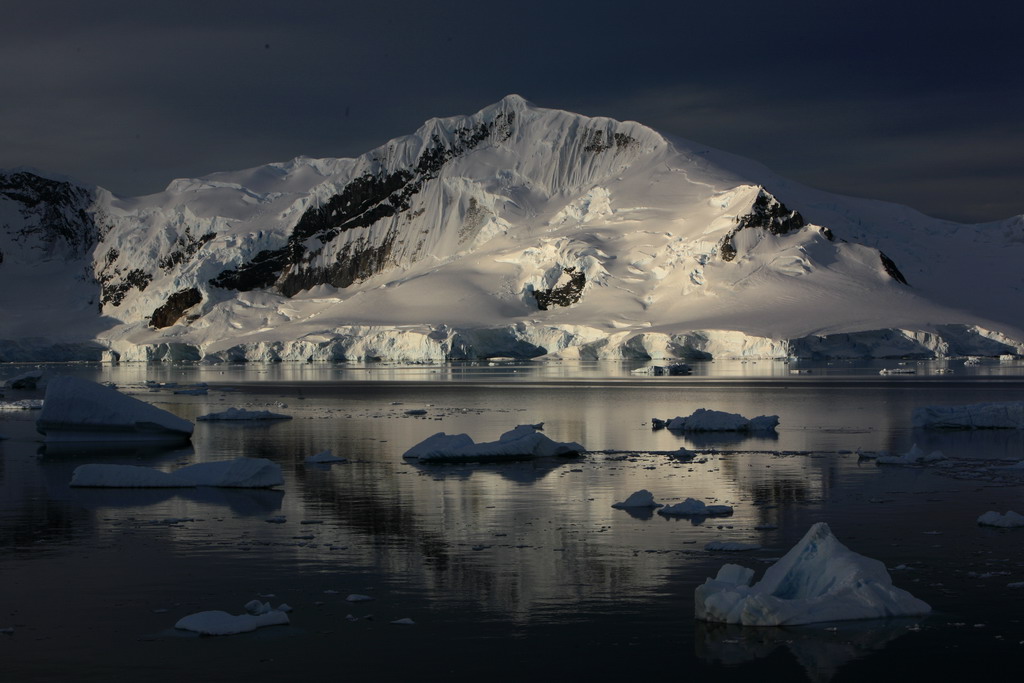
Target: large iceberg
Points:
(703, 420)
(522, 442)
(820, 579)
(79, 410)
(249, 473)
(1007, 415)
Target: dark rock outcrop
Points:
(175, 307)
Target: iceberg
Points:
(640, 499)
(819, 579)
(1008, 521)
(250, 473)
(1006, 415)
(703, 420)
(243, 414)
(324, 458)
(671, 370)
(79, 410)
(218, 623)
(26, 380)
(691, 507)
(522, 442)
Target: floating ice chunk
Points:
(405, 622)
(691, 507)
(522, 442)
(356, 597)
(21, 404)
(640, 499)
(238, 473)
(915, 456)
(703, 420)
(324, 457)
(243, 414)
(126, 476)
(79, 410)
(218, 623)
(819, 579)
(416, 411)
(249, 473)
(1010, 520)
(1007, 415)
(731, 546)
(672, 369)
(256, 608)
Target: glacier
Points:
(515, 231)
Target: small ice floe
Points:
(218, 623)
(897, 371)
(683, 454)
(237, 473)
(703, 420)
(1007, 521)
(324, 458)
(356, 597)
(1005, 415)
(21, 404)
(416, 411)
(672, 370)
(691, 507)
(243, 414)
(278, 519)
(406, 621)
(819, 579)
(26, 380)
(731, 546)
(915, 456)
(639, 499)
(522, 442)
(79, 410)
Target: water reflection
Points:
(821, 649)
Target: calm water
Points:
(512, 570)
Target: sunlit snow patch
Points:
(1007, 415)
(79, 410)
(820, 579)
(522, 442)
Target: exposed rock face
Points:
(564, 295)
(892, 270)
(768, 214)
(57, 213)
(176, 305)
(366, 200)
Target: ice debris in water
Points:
(691, 507)
(1010, 520)
(218, 623)
(243, 414)
(819, 579)
(731, 546)
(915, 456)
(237, 473)
(640, 499)
(324, 458)
(703, 420)
(1007, 415)
(524, 441)
(79, 410)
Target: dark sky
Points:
(920, 103)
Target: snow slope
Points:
(515, 231)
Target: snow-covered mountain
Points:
(517, 231)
